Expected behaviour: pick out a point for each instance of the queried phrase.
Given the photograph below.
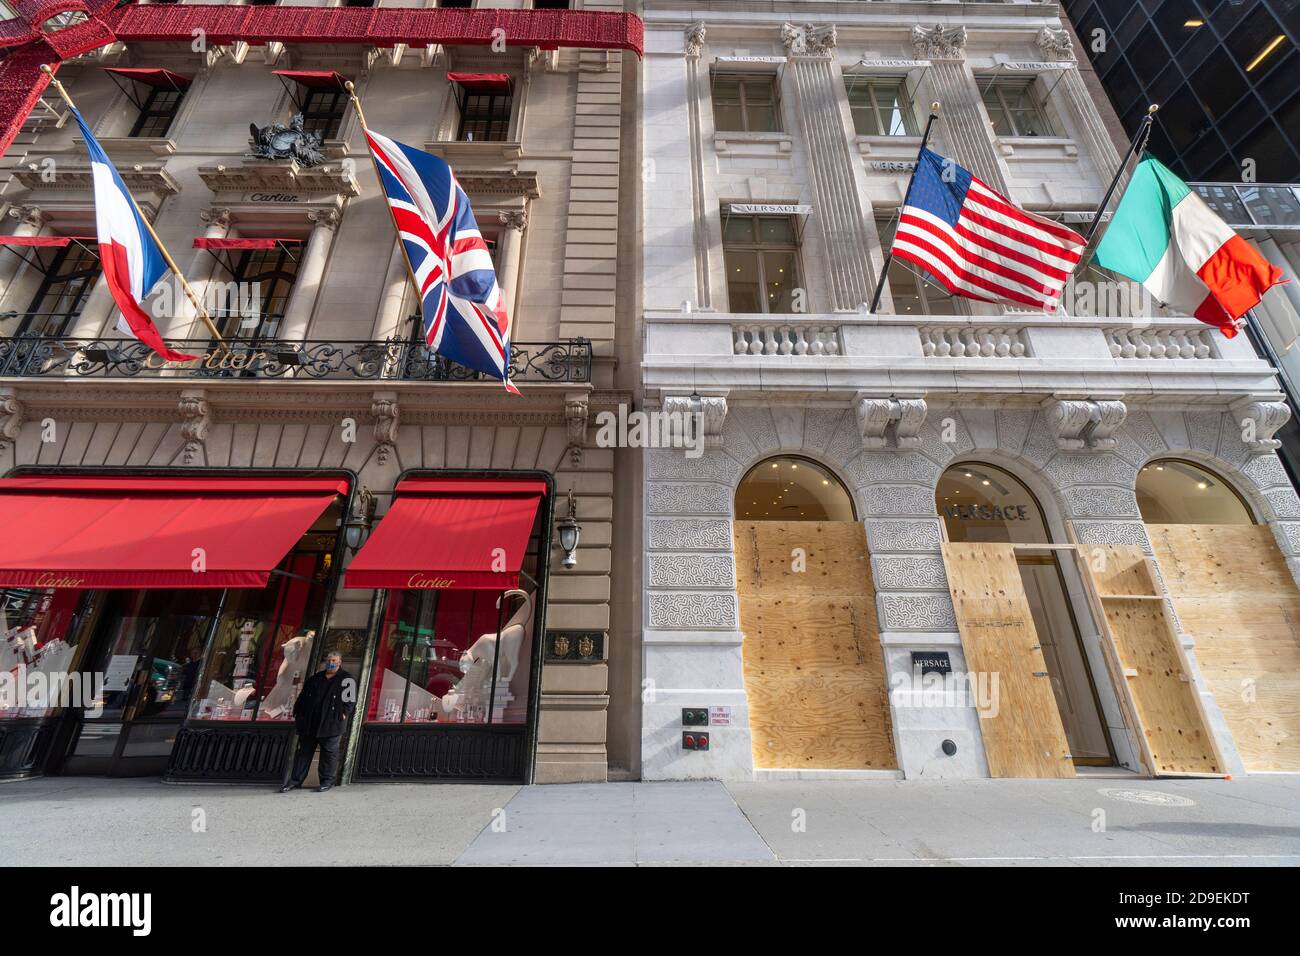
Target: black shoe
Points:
(324, 787)
(290, 786)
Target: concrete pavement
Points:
(1089, 821)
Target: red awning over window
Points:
(204, 243)
(155, 76)
(314, 79)
(450, 534)
(111, 532)
(482, 82)
(57, 242)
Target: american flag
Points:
(977, 244)
(464, 318)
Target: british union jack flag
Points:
(464, 318)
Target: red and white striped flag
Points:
(978, 244)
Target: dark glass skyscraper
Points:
(1226, 74)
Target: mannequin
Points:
(474, 688)
(297, 652)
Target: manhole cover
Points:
(1149, 797)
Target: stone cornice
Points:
(282, 177)
(140, 177)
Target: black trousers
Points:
(329, 758)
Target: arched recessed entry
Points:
(1235, 595)
(982, 504)
(814, 668)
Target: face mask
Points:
(331, 666)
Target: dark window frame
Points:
(262, 266)
(490, 113)
(997, 86)
(742, 79)
(162, 104)
(859, 84)
(57, 287)
(758, 249)
(323, 111)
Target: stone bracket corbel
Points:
(384, 410)
(1260, 417)
(576, 410)
(889, 422)
(1085, 424)
(11, 416)
(706, 414)
(196, 418)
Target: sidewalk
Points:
(1250, 821)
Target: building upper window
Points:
(762, 262)
(1173, 491)
(64, 287)
(323, 111)
(485, 116)
(264, 279)
(157, 112)
(1014, 108)
(914, 292)
(880, 106)
(746, 103)
(787, 488)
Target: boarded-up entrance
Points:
(1235, 596)
(814, 668)
(1020, 723)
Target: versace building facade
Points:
(193, 537)
(947, 538)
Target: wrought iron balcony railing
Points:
(566, 361)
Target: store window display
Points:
(40, 633)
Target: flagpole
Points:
(1143, 134)
(392, 216)
(889, 256)
(171, 264)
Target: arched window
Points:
(792, 489)
(985, 504)
(1173, 491)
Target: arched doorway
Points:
(982, 504)
(1235, 596)
(814, 668)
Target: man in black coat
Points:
(321, 715)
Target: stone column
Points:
(187, 322)
(391, 316)
(962, 127)
(838, 209)
(508, 260)
(1055, 45)
(95, 314)
(31, 220)
(310, 272)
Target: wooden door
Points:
(814, 668)
(1022, 730)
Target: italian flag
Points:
(1165, 237)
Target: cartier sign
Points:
(419, 582)
(217, 358)
(47, 580)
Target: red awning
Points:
(450, 534)
(57, 242)
(482, 82)
(155, 76)
(314, 79)
(111, 532)
(203, 243)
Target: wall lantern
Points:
(569, 531)
(357, 528)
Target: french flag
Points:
(133, 263)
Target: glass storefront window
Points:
(792, 489)
(435, 658)
(40, 632)
(981, 503)
(263, 640)
(1171, 491)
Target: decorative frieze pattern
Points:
(677, 497)
(908, 572)
(887, 500)
(690, 571)
(916, 612)
(681, 610)
(887, 536)
(689, 534)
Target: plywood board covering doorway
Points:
(1022, 730)
(1236, 597)
(814, 668)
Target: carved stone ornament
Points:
(516, 219)
(1085, 423)
(706, 413)
(29, 216)
(196, 417)
(938, 42)
(327, 218)
(1259, 421)
(808, 39)
(694, 38)
(216, 216)
(1055, 44)
(575, 420)
(11, 416)
(383, 408)
(278, 141)
(890, 422)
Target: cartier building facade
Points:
(944, 538)
(188, 539)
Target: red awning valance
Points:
(450, 534)
(482, 82)
(151, 76)
(314, 79)
(128, 532)
(204, 243)
(44, 242)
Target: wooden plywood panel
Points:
(1235, 595)
(814, 668)
(1119, 570)
(1023, 734)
